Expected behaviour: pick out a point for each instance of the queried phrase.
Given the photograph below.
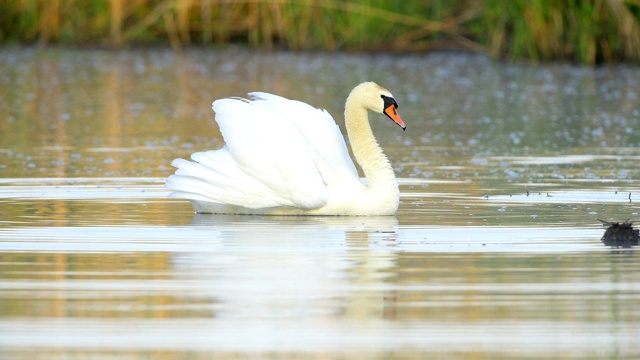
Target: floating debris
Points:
(620, 234)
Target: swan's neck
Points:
(368, 154)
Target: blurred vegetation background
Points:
(583, 31)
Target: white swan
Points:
(284, 157)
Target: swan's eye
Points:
(388, 101)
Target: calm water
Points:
(495, 252)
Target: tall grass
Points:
(586, 31)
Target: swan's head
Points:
(376, 98)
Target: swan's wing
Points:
(316, 125)
(266, 144)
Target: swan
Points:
(285, 157)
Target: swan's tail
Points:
(214, 177)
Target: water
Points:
(495, 252)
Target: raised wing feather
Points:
(317, 126)
(266, 144)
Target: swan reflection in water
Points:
(283, 264)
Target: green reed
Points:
(585, 31)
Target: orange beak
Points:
(392, 113)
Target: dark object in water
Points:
(620, 234)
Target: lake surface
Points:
(495, 252)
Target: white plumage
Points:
(283, 156)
